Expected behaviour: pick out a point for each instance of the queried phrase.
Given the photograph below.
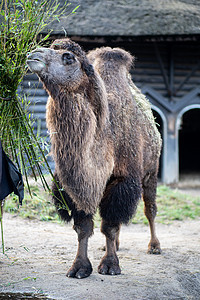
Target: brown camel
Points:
(105, 144)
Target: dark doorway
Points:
(189, 146)
(159, 124)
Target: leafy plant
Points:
(21, 23)
(39, 206)
(1, 225)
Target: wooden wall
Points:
(37, 98)
(181, 62)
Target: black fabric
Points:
(10, 178)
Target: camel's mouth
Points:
(35, 62)
(35, 56)
(35, 59)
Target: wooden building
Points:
(164, 37)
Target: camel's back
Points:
(113, 65)
(135, 135)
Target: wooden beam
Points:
(194, 69)
(162, 68)
(171, 73)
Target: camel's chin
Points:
(35, 66)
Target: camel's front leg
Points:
(110, 262)
(83, 225)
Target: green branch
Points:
(21, 23)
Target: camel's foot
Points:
(154, 247)
(109, 266)
(80, 269)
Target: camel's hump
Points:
(116, 55)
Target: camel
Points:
(105, 144)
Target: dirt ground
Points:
(38, 255)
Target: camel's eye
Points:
(68, 58)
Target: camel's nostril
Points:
(28, 55)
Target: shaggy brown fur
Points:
(105, 146)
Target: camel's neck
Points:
(77, 150)
(75, 121)
(87, 102)
(70, 119)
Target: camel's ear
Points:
(88, 68)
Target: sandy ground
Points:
(38, 255)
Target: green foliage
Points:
(1, 225)
(21, 23)
(39, 206)
(172, 205)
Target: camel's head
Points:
(63, 64)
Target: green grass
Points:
(172, 205)
(39, 206)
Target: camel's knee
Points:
(149, 197)
(110, 230)
(150, 210)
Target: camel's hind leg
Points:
(83, 225)
(150, 210)
(117, 242)
(117, 238)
